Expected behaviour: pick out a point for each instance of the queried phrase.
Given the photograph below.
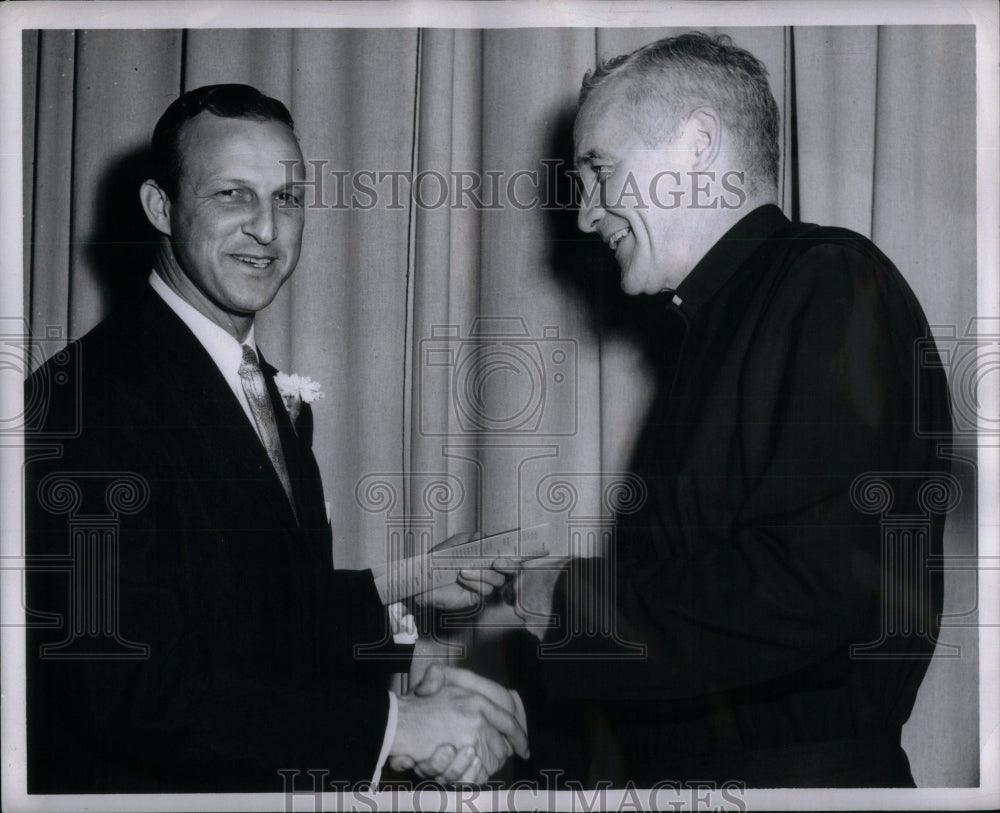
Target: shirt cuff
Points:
(402, 624)
(390, 735)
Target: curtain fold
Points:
(445, 278)
(474, 350)
(842, 65)
(47, 295)
(29, 73)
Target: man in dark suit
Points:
(765, 626)
(190, 632)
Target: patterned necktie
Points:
(263, 414)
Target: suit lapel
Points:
(213, 409)
(299, 459)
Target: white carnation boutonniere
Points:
(296, 390)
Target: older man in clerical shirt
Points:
(787, 373)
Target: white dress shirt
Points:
(227, 353)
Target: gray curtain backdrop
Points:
(879, 136)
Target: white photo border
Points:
(18, 17)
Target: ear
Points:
(705, 132)
(156, 205)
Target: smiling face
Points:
(235, 228)
(631, 195)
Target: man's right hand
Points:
(472, 587)
(532, 583)
(476, 717)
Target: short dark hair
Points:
(679, 73)
(227, 101)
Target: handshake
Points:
(457, 727)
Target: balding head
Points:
(657, 86)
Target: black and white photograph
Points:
(444, 405)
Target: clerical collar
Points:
(724, 258)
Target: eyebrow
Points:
(225, 180)
(589, 157)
